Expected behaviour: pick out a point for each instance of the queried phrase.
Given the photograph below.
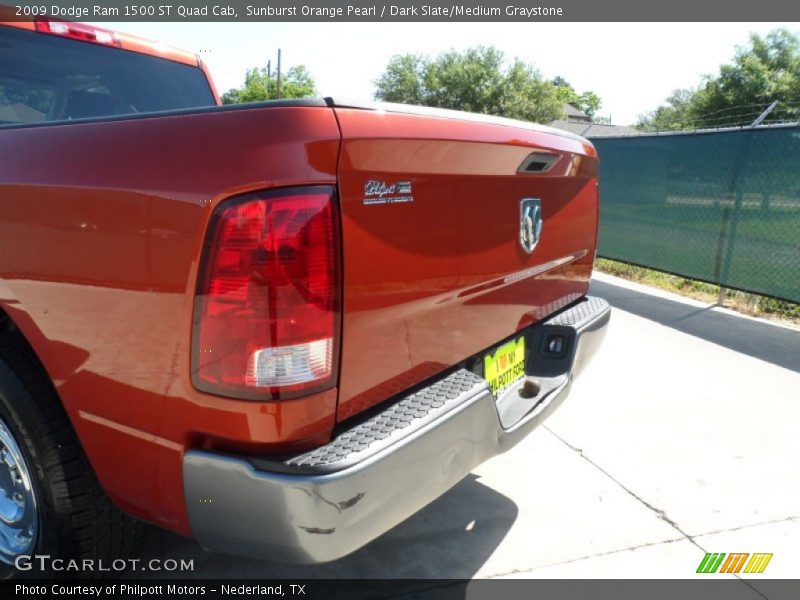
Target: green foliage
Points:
(402, 81)
(765, 70)
(475, 80)
(588, 102)
(472, 81)
(675, 115)
(525, 95)
(259, 85)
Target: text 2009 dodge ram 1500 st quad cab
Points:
(280, 328)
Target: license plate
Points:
(505, 365)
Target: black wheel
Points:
(50, 500)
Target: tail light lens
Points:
(266, 318)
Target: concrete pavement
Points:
(680, 438)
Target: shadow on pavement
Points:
(777, 345)
(451, 538)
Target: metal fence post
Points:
(738, 177)
(737, 207)
(721, 245)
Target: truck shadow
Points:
(449, 539)
(772, 343)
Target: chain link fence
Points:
(719, 206)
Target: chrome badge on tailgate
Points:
(380, 192)
(530, 223)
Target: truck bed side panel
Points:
(101, 226)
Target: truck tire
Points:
(50, 502)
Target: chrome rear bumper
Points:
(324, 504)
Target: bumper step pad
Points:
(374, 434)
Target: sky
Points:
(633, 67)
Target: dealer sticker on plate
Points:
(505, 365)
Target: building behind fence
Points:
(719, 206)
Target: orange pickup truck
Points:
(281, 328)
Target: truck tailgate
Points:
(434, 268)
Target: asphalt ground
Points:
(680, 438)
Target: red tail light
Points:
(267, 308)
(77, 31)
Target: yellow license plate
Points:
(505, 365)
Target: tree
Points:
(588, 101)
(475, 80)
(402, 81)
(675, 115)
(260, 85)
(765, 70)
